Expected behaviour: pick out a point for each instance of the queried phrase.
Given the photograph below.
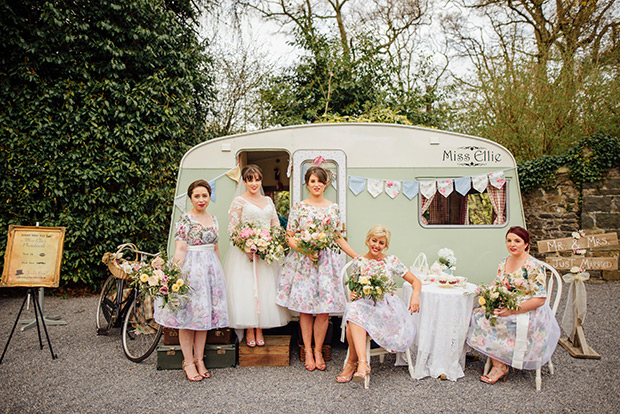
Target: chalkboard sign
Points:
(33, 256)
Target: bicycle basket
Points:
(113, 261)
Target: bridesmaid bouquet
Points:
(162, 279)
(371, 281)
(494, 297)
(319, 234)
(268, 244)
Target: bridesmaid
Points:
(388, 321)
(197, 253)
(310, 283)
(251, 282)
(519, 271)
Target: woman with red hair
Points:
(523, 273)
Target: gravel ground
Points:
(92, 375)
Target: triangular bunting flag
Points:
(445, 187)
(497, 179)
(375, 187)
(480, 182)
(410, 189)
(462, 185)
(392, 188)
(357, 184)
(428, 188)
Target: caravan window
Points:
(488, 208)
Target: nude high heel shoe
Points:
(365, 376)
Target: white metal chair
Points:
(556, 302)
(370, 352)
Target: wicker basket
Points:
(113, 261)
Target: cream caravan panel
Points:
(366, 145)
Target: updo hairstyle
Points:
(198, 183)
(522, 233)
(251, 171)
(379, 231)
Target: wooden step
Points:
(275, 353)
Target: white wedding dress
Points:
(252, 298)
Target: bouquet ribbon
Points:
(575, 310)
(201, 248)
(523, 322)
(255, 283)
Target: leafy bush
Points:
(99, 100)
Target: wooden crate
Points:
(214, 336)
(275, 353)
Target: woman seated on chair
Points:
(387, 321)
(525, 273)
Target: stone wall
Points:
(556, 213)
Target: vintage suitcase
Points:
(216, 356)
(275, 353)
(171, 336)
(221, 336)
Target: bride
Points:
(252, 296)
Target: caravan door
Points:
(336, 162)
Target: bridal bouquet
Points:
(497, 296)
(371, 280)
(268, 244)
(319, 234)
(161, 278)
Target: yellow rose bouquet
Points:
(494, 297)
(161, 278)
(370, 281)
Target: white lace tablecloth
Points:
(441, 329)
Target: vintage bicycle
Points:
(121, 305)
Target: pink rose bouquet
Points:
(319, 233)
(161, 278)
(268, 244)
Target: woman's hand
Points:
(353, 296)
(503, 312)
(414, 303)
(250, 256)
(314, 256)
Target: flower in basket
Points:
(496, 296)
(266, 243)
(319, 234)
(447, 259)
(161, 279)
(370, 281)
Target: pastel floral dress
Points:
(205, 308)
(388, 322)
(304, 286)
(543, 331)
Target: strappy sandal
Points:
(195, 378)
(206, 374)
(309, 366)
(320, 367)
(343, 378)
(490, 379)
(362, 376)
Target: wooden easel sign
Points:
(33, 256)
(576, 343)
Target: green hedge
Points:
(99, 100)
(588, 161)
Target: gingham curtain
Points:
(498, 201)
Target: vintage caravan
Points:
(434, 189)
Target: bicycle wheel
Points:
(107, 308)
(140, 331)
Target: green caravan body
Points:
(374, 151)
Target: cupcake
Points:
(452, 280)
(443, 279)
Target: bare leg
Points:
(186, 340)
(200, 339)
(321, 323)
(349, 369)
(306, 321)
(358, 336)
